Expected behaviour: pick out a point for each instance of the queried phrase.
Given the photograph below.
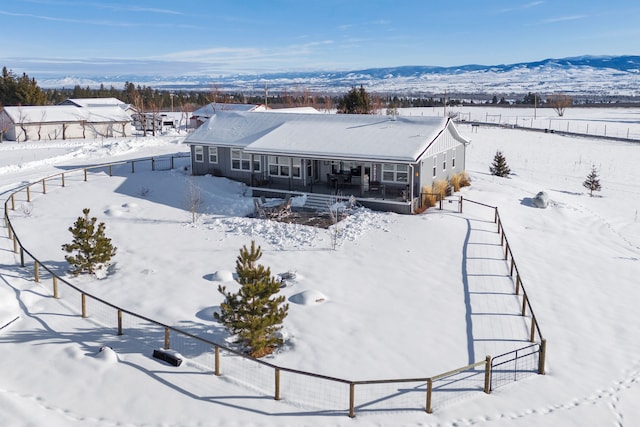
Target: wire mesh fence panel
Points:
(102, 314)
(199, 353)
(514, 366)
(457, 387)
(391, 396)
(142, 330)
(254, 375)
(315, 392)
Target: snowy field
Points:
(400, 296)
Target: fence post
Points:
(133, 169)
(36, 271)
(542, 356)
(153, 164)
(440, 201)
(277, 396)
(55, 287)
(167, 338)
(85, 175)
(15, 243)
(28, 193)
(62, 176)
(21, 257)
(532, 336)
(495, 216)
(13, 203)
(506, 250)
(524, 304)
(84, 305)
(512, 266)
(517, 284)
(460, 205)
(172, 156)
(429, 391)
(44, 186)
(217, 361)
(110, 170)
(487, 375)
(352, 399)
(119, 322)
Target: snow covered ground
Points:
(400, 296)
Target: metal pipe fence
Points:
(328, 394)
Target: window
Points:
(242, 161)
(198, 152)
(453, 159)
(435, 166)
(444, 161)
(395, 173)
(213, 154)
(284, 166)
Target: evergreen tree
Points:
(356, 101)
(592, 183)
(499, 166)
(93, 249)
(20, 90)
(254, 313)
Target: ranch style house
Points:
(384, 162)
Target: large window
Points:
(198, 152)
(444, 161)
(284, 166)
(435, 166)
(213, 154)
(241, 161)
(395, 173)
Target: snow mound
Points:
(223, 276)
(114, 211)
(107, 355)
(308, 297)
(541, 200)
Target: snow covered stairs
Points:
(321, 202)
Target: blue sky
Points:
(251, 36)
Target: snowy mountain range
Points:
(589, 76)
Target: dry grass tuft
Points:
(460, 180)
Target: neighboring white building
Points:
(43, 123)
(203, 114)
(99, 102)
(384, 161)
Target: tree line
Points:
(24, 90)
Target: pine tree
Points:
(93, 249)
(254, 313)
(499, 166)
(356, 101)
(592, 183)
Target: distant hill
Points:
(603, 76)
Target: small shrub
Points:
(440, 187)
(459, 180)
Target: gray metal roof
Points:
(344, 136)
